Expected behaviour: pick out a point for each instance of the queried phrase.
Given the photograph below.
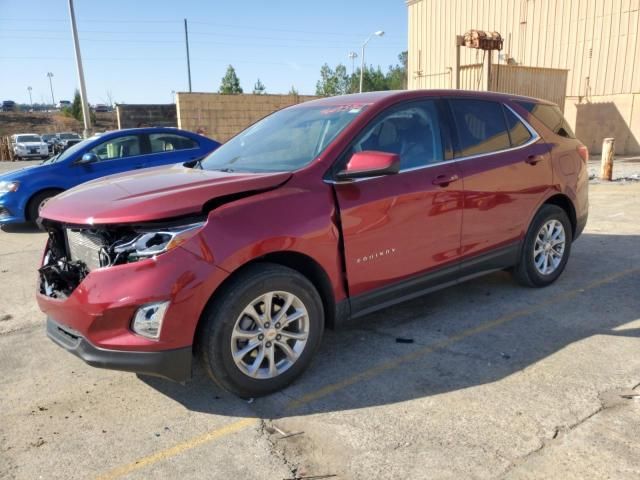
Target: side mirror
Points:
(88, 158)
(370, 164)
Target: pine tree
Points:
(259, 88)
(230, 82)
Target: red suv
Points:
(317, 214)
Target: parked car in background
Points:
(50, 140)
(29, 145)
(63, 104)
(23, 192)
(100, 108)
(324, 211)
(62, 139)
(70, 143)
(8, 106)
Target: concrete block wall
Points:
(222, 116)
(141, 115)
(595, 118)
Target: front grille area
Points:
(85, 247)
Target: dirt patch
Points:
(50, 122)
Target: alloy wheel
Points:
(270, 335)
(549, 247)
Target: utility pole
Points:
(30, 98)
(379, 33)
(186, 40)
(83, 90)
(353, 56)
(53, 100)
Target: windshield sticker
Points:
(350, 108)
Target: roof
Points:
(397, 95)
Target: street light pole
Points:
(379, 33)
(30, 98)
(53, 100)
(83, 89)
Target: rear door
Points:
(400, 226)
(167, 148)
(506, 168)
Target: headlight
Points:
(19, 146)
(6, 187)
(151, 243)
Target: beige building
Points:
(596, 42)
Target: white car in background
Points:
(29, 145)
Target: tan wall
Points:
(597, 41)
(616, 116)
(223, 116)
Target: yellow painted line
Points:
(179, 448)
(483, 327)
(362, 376)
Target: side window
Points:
(168, 142)
(551, 116)
(411, 131)
(518, 133)
(480, 125)
(121, 147)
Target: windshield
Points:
(27, 138)
(69, 152)
(284, 141)
(65, 136)
(47, 137)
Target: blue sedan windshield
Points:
(284, 141)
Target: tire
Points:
(532, 271)
(33, 207)
(226, 315)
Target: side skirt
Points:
(378, 299)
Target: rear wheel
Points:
(262, 331)
(546, 248)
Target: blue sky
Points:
(135, 48)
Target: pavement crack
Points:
(275, 451)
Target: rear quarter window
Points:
(550, 116)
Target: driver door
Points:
(399, 228)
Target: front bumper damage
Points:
(172, 364)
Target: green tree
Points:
(230, 82)
(75, 110)
(293, 91)
(333, 82)
(259, 88)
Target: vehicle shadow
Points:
(468, 335)
(20, 228)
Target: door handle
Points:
(444, 180)
(533, 159)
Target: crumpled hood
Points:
(152, 194)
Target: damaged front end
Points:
(74, 251)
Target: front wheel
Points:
(262, 331)
(546, 248)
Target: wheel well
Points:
(565, 203)
(56, 191)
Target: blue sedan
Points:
(24, 191)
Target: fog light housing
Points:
(148, 319)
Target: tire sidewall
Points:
(546, 213)
(225, 312)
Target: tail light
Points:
(583, 152)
